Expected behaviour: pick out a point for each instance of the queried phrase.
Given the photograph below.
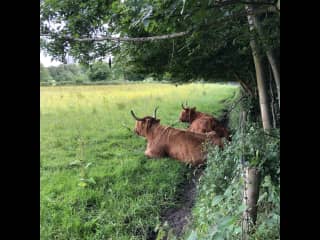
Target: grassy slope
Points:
(95, 181)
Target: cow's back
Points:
(186, 146)
(206, 123)
(202, 124)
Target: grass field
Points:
(95, 181)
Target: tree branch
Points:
(230, 2)
(124, 39)
(233, 106)
(244, 85)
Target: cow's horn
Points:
(183, 106)
(135, 117)
(155, 112)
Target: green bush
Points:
(99, 71)
(44, 74)
(268, 222)
(67, 73)
(219, 204)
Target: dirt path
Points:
(180, 216)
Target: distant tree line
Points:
(78, 73)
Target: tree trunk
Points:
(275, 71)
(270, 55)
(262, 88)
(261, 81)
(252, 175)
(251, 195)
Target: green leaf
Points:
(217, 199)
(226, 221)
(88, 164)
(219, 237)
(192, 236)
(82, 184)
(262, 196)
(238, 230)
(228, 192)
(91, 180)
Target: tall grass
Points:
(95, 181)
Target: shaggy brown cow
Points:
(179, 144)
(202, 122)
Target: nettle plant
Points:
(84, 179)
(262, 150)
(219, 207)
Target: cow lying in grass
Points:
(164, 141)
(202, 122)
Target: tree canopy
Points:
(214, 43)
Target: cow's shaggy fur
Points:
(162, 141)
(203, 123)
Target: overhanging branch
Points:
(223, 3)
(124, 39)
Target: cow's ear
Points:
(193, 109)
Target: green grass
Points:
(95, 181)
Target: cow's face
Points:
(187, 114)
(143, 126)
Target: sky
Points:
(46, 60)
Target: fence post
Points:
(251, 177)
(251, 194)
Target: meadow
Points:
(95, 182)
